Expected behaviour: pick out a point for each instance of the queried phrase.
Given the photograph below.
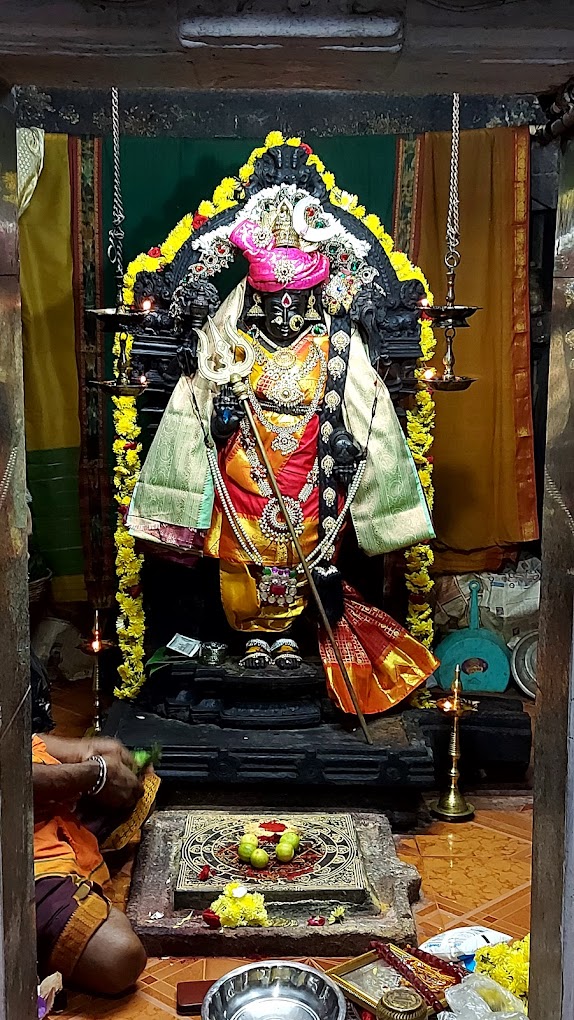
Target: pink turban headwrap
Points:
(271, 268)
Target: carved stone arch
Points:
(387, 316)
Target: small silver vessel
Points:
(274, 990)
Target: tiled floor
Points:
(474, 873)
(477, 872)
(155, 996)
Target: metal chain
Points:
(8, 475)
(452, 257)
(553, 491)
(116, 234)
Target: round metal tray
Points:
(274, 990)
(523, 664)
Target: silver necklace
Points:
(324, 550)
(272, 524)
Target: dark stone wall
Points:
(234, 114)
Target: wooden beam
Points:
(552, 973)
(404, 46)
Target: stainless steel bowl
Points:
(274, 990)
(523, 663)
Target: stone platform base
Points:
(385, 913)
(496, 740)
(328, 754)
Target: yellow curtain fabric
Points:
(50, 374)
(483, 451)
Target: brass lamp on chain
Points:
(451, 316)
(452, 805)
(119, 320)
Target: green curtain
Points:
(164, 178)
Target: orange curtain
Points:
(483, 451)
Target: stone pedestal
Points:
(399, 757)
(355, 866)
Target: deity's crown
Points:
(281, 226)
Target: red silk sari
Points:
(238, 573)
(385, 664)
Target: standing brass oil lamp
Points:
(452, 805)
(95, 646)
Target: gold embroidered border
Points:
(126, 832)
(407, 179)
(88, 916)
(522, 396)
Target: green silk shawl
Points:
(176, 488)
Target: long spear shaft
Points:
(242, 393)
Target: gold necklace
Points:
(286, 392)
(319, 330)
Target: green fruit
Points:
(259, 859)
(291, 839)
(247, 844)
(143, 758)
(249, 839)
(284, 852)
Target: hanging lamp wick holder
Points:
(117, 388)
(454, 384)
(453, 316)
(120, 320)
(124, 384)
(450, 317)
(112, 320)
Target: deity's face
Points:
(284, 314)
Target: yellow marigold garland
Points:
(131, 618)
(420, 419)
(130, 621)
(508, 964)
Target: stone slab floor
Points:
(472, 873)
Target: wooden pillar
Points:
(552, 969)
(17, 928)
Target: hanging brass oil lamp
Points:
(120, 320)
(451, 317)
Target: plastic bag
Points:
(47, 992)
(460, 942)
(480, 998)
(508, 602)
